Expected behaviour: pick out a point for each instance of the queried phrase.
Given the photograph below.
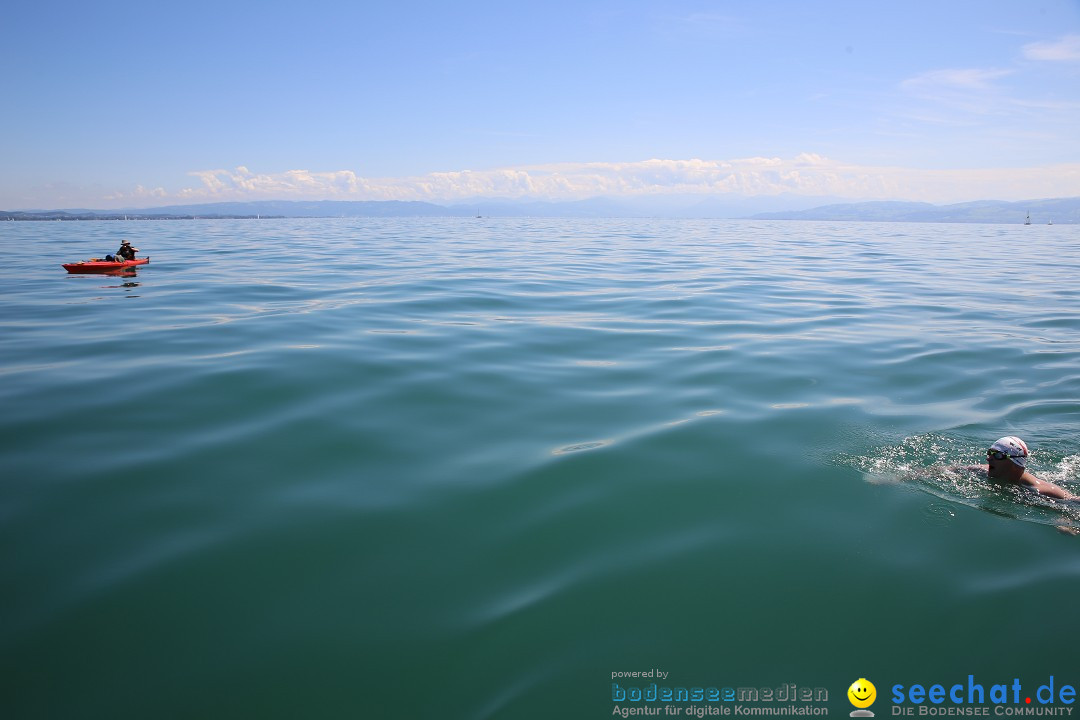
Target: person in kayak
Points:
(1006, 461)
(126, 252)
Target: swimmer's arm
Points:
(943, 469)
(917, 474)
(935, 470)
(1051, 490)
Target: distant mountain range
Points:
(652, 206)
(788, 207)
(1060, 210)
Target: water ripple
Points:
(358, 447)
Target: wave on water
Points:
(943, 466)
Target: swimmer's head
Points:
(1010, 447)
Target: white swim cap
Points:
(1014, 447)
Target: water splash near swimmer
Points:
(939, 514)
(942, 466)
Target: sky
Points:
(138, 104)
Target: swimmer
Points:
(1006, 462)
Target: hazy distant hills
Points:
(318, 208)
(784, 207)
(1060, 210)
(652, 206)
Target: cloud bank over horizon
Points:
(923, 101)
(807, 174)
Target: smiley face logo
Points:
(862, 693)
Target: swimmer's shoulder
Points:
(1045, 487)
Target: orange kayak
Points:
(101, 266)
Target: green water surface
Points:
(471, 468)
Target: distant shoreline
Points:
(68, 217)
(29, 217)
(1057, 211)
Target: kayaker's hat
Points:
(125, 242)
(1013, 448)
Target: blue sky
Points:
(123, 104)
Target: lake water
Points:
(469, 468)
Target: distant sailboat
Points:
(478, 215)
(1050, 223)
(1028, 220)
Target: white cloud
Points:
(704, 24)
(241, 182)
(139, 194)
(1067, 49)
(807, 174)
(959, 97)
(955, 79)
